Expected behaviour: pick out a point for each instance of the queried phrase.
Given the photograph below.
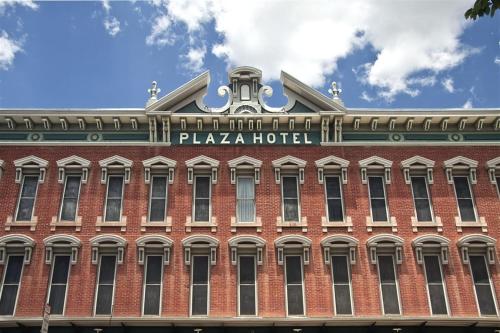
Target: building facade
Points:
(311, 217)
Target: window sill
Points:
(430, 224)
(391, 224)
(478, 224)
(257, 224)
(209, 224)
(75, 224)
(11, 223)
(299, 224)
(167, 224)
(122, 224)
(341, 224)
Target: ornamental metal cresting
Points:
(245, 138)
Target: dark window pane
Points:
(14, 269)
(113, 209)
(61, 269)
(30, 184)
(68, 211)
(202, 210)
(104, 299)
(376, 187)
(335, 210)
(379, 212)
(432, 269)
(342, 299)
(154, 269)
(295, 300)
(159, 189)
(247, 270)
(340, 270)
(290, 187)
(485, 299)
(107, 270)
(199, 302)
(293, 269)
(291, 209)
(200, 269)
(152, 300)
(8, 299)
(462, 187)
(386, 268)
(479, 269)
(423, 210)
(115, 187)
(25, 210)
(466, 210)
(332, 187)
(56, 299)
(202, 187)
(419, 187)
(157, 212)
(438, 300)
(72, 187)
(247, 300)
(390, 299)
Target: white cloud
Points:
(11, 3)
(468, 104)
(111, 23)
(448, 85)
(8, 50)
(194, 59)
(112, 26)
(364, 96)
(497, 60)
(307, 39)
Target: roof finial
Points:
(335, 91)
(153, 93)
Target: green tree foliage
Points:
(481, 8)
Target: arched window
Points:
(200, 252)
(15, 252)
(385, 250)
(478, 251)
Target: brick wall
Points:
(270, 276)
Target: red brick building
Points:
(310, 217)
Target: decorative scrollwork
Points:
(268, 91)
(223, 90)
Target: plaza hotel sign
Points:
(245, 138)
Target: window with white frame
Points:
(114, 198)
(293, 253)
(61, 251)
(431, 251)
(202, 198)
(289, 172)
(332, 172)
(376, 172)
(290, 197)
(340, 253)
(15, 252)
(115, 173)
(419, 173)
(378, 201)
(386, 251)
(461, 172)
(158, 173)
(27, 198)
(478, 251)
(247, 253)
(493, 167)
(107, 253)
(70, 198)
(202, 173)
(245, 173)
(73, 172)
(200, 252)
(154, 254)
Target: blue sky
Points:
(384, 54)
